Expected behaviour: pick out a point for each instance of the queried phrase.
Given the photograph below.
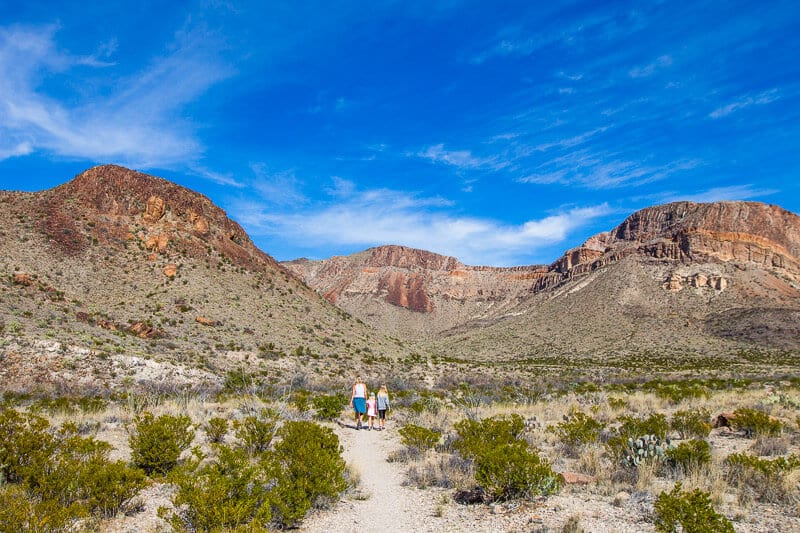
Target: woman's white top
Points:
(360, 391)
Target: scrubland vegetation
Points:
(250, 460)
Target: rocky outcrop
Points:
(165, 217)
(678, 236)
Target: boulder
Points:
(205, 321)
(155, 209)
(23, 279)
(170, 270)
(575, 478)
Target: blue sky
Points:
(502, 133)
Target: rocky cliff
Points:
(411, 290)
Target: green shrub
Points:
(65, 475)
(617, 403)
(688, 455)
(756, 423)
(329, 407)
(511, 470)
(765, 478)
(23, 439)
(301, 399)
(678, 391)
(308, 469)
(22, 512)
(690, 512)
(109, 485)
(505, 467)
(475, 436)
(578, 430)
(157, 443)
(692, 423)
(216, 428)
(419, 438)
(223, 494)
(256, 432)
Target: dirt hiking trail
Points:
(381, 502)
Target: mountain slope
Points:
(682, 278)
(117, 278)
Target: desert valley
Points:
(642, 380)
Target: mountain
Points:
(682, 280)
(121, 279)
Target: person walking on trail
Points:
(383, 406)
(371, 404)
(358, 401)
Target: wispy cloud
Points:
(278, 188)
(765, 97)
(136, 123)
(719, 194)
(382, 216)
(605, 170)
(462, 159)
(648, 70)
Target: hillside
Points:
(120, 279)
(684, 283)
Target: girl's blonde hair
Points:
(383, 390)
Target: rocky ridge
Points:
(683, 245)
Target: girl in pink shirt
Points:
(371, 410)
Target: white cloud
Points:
(648, 70)
(719, 194)
(765, 97)
(375, 217)
(278, 188)
(137, 123)
(462, 159)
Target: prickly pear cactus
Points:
(645, 448)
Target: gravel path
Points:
(382, 502)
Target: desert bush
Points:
(691, 512)
(512, 470)
(22, 512)
(222, 494)
(690, 454)
(419, 438)
(157, 443)
(505, 467)
(62, 474)
(329, 407)
(308, 469)
(475, 436)
(617, 403)
(256, 432)
(691, 423)
(215, 429)
(764, 478)
(578, 430)
(678, 391)
(756, 423)
(23, 438)
(301, 399)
